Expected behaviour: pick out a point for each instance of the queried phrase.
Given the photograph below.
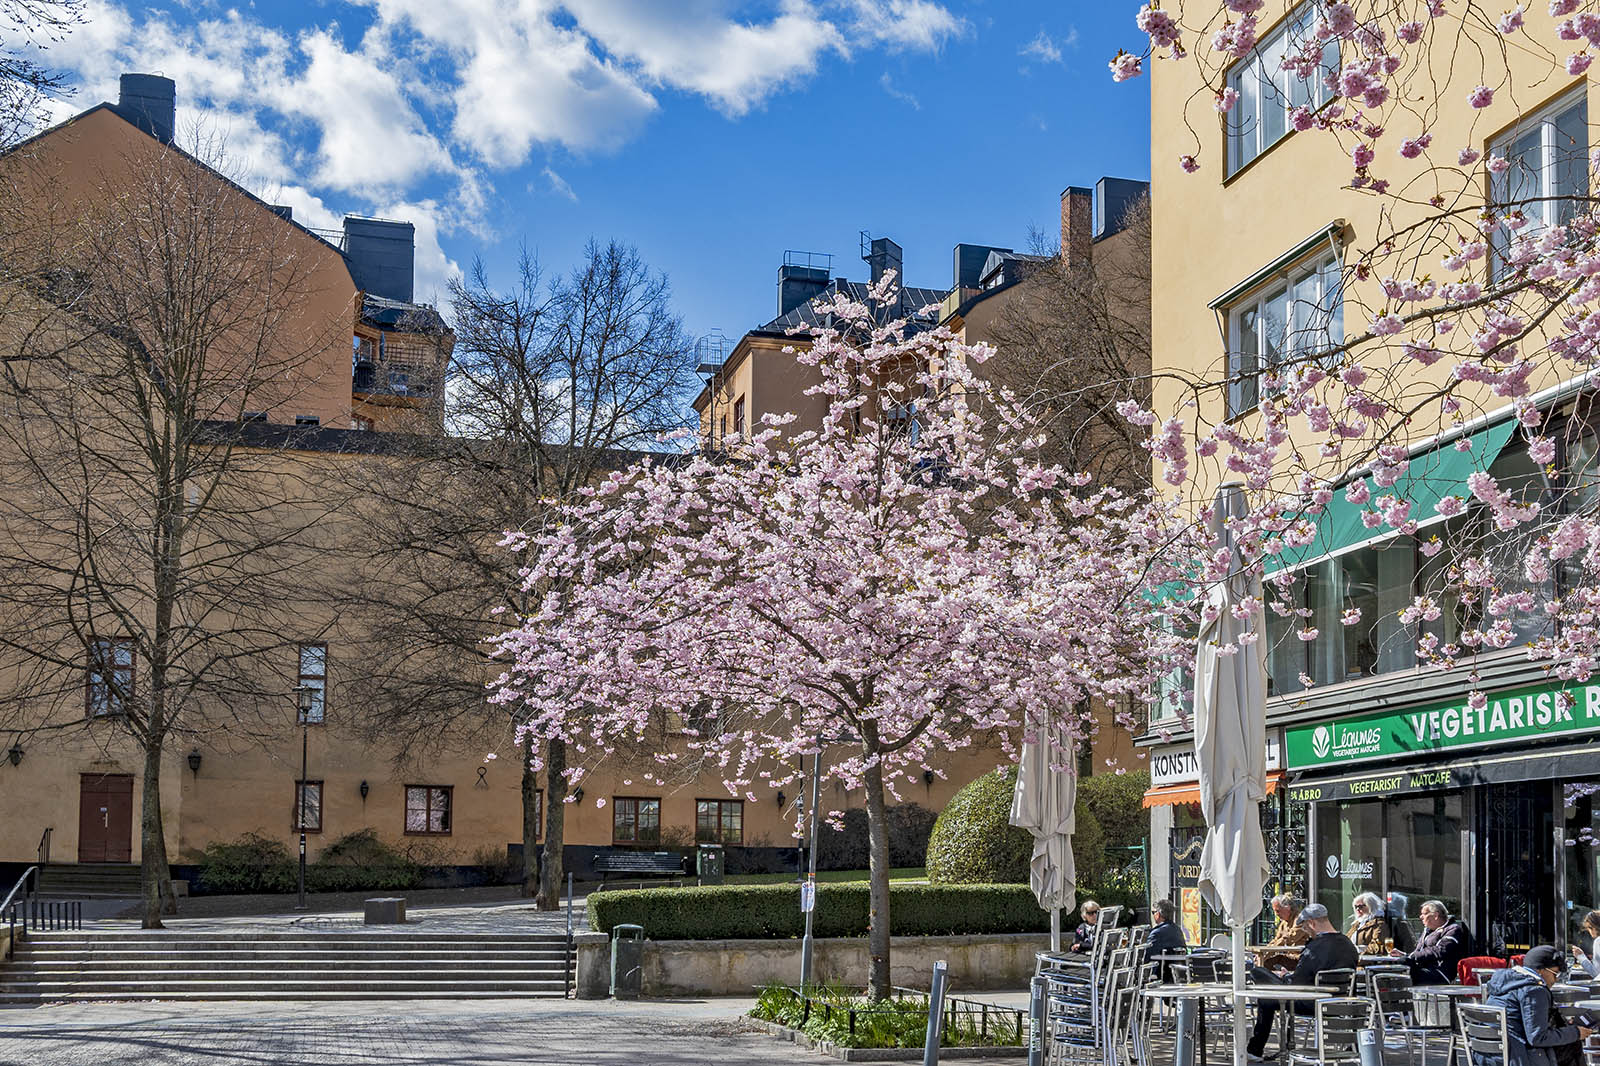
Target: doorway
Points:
(105, 818)
(1517, 901)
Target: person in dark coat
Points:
(1328, 949)
(1444, 942)
(1166, 935)
(1534, 1036)
(1083, 936)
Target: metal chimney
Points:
(149, 101)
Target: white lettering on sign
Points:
(1176, 763)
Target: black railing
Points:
(45, 915)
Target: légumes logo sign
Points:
(1530, 712)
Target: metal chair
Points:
(1483, 1029)
(1338, 1023)
(1221, 942)
(1397, 1016)
(1342, 981)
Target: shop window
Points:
(635, 821)
(428, 810)
(1548, 179)
(308, 806)
(718, 821)
(1408, 850)
(110, 680)
(1268, 92)
(1286, 322)
(313, 678)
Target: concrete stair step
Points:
(28, 998)
(252, 936)
(159, 989)
(154, 967)
(192, 958)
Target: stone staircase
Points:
(89, 880)
(289, 965)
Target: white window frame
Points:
(1323, 272)
(314, 679)
(1262, 66)
(1544, 212)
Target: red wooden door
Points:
(105, 818)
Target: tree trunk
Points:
(878, 879)
(154, 875)
(530, 819)
(555, 823)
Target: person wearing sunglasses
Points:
(1534, 1035)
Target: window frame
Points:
(1546, 202)
(320, 703)
(449, 810)
(301, 788)
(721, 836)
(114, 701)
(617, 806)
(738, 418)
(1299, 20)
(1320, 266)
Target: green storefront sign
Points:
(1526, 713)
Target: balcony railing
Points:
(390, 379)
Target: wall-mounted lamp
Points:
(15, 754)
(927, 777)
(781, 797)
(577, 794)
(364, 791)
(194, 762)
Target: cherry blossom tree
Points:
(877, 593)
(1475, 291)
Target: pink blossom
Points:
(1511, 21)
(1188, 163)
(1387, 325)
(1301, 119)
(1126, 65)
(1158, 24)
(1362, 155)
(1578, 62)
(1542, 450)
(1559, 8)
(1409, 32)
(1481, 97)
(1226, 99)
(1467, 157)
(1340, 17)
(1498, 164)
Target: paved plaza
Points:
(439, 1033)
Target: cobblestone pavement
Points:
(527, 1033)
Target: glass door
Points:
(1517, 861)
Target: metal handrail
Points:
(44, 846)
(32, 871)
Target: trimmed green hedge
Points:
(771, 912)
(974, 842)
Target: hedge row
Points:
(773, 911)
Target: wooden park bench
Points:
(622, 864)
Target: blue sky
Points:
(710, 133)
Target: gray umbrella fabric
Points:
(1043, 804)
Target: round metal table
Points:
(1197, 992)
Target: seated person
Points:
(1591, 936)
(1533, 1033)
(1166, 935)
(1288, 933)
(1372, 927)
(1083, 936)
(1444, 943)
(1328, 949)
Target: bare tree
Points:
(552, 383)
(27, 28)
(146, 539)
(1074, 341)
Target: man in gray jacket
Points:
(1532, 1036)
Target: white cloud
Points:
(913, 25)
(434, 269)
(897, 93)
(1044, 49)
(559, 185)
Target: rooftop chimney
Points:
(1077, 225)
(883, 255)
(802, 278)
(968, 264)
(1112, 198)
(149, 101)
(381, 255)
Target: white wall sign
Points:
(1175, 764)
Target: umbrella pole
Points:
(1055, 929)
(1238, 1000)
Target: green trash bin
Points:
(627, 960)
(710, 864)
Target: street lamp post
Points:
(808, 891)
(304, 696)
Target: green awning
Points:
(1430, 477)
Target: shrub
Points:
(773, 911)
(973, 840)
(1117, 803)
(499, 866)
(359, 862)
(253, 863)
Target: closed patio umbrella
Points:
(1230, 740)
(1043, 805)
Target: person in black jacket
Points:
(1083, 936)
(1166, 935)
(1328, 949)
(1444, 942)
(1534, 1035)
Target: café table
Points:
(1286, 995)
(1198, 992)
(1450, 994)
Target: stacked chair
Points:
(1483, 1030)
(1339, 1022)
(1402, 1033)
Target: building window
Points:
(738, 418)
(110, 685)
(428, 810)
(253, 416)
(362, 424)
(719, 821)
(308, 420)
(1268, 92)
(635, 821)
(1548, 179)
(313, 676)
(308, 806)
(1289, 320)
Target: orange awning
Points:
(1168, 795)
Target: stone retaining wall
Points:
(739, 967)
